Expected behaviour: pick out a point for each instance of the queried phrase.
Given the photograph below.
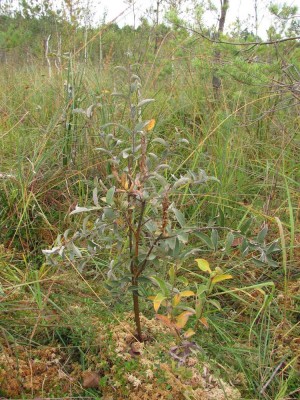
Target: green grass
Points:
(49, 153)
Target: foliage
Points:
(137, 202)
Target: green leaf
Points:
(203, 265)
(200, 290)
(110, 195)
(215, 303)
(183, 280)
(144, 279)
(221, 217)
(162, 285)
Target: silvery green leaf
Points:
(134, 86)
(135, 77)
(111, 276)
(163, 166)
(271, 262)
(118, 125)
(108, 214)
(76, 250)
(273, 248)
(245, 252)
(183, 237)
(263, 257)
(177, 248)
(262, 234)
(171, 242)
(245, 226)
(179, 216)
(160, 140)
(206, 239)
(141, 125)
(184, 141)
(137, 148)
(181, 182)
(89, 111)
(189, 253)
(120, 68)
(110, 195)
(84, 224)
(228, 242)
(52, 251)
(66, 234)
(79, 111)
(61, 251)
(153, 156)
(214, 238)
(103, 150)
(144, 102)
(159, 178)
(83, 209)
(151, 226)
(259, 263)
(81, 264)
(95, 197)
(118, 94)
(125, 154)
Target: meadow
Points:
(213, 177)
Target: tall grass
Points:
(247, 140)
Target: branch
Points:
(240, 43)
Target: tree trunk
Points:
(216, 81)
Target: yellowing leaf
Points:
(124, 181)
(203, 265)
(182, 319)
(219, 271)
(220, 278)
(187, 293)
(159, 298)
(165, 320)
(204, 322)
(189, 333)
(176, 300)
(150, 125)
(172, 274)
